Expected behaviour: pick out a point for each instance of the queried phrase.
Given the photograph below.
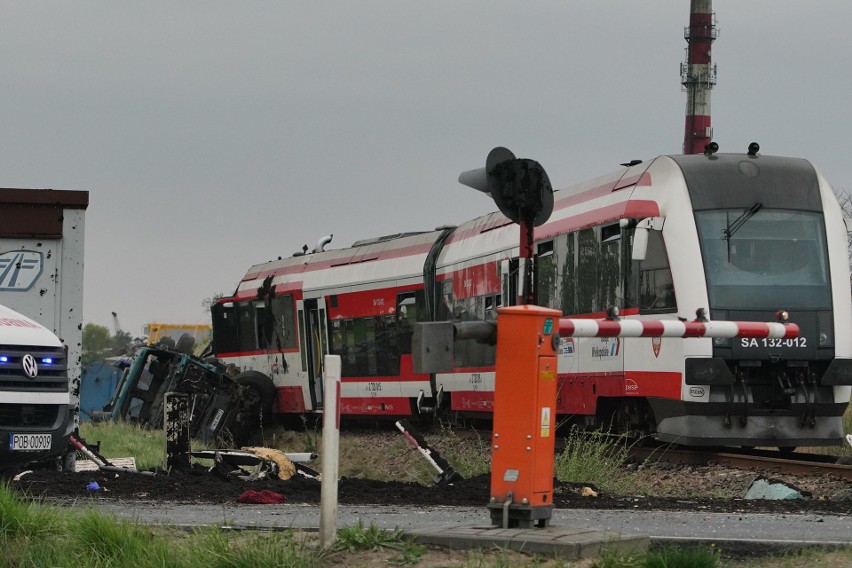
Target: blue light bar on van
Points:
(47, 360)
(4, 359)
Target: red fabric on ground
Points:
(265, 497)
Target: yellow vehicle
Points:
(154, 332)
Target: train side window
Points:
(609, 269)
(568, 271)
(445, 312)
(247, 326)
(226, 332)
(546, 276)
(284, 322)
(629, 276)
(510, 282)
(323, 330)
(264, 325)
(588, 255)
(343, 344)
(410, 309)
(387, 347)
(491, 304)
(656, 288)
(303, 345)
(590, 272)
(368, 346)
(469, 352)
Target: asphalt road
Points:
(659, 525)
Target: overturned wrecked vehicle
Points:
(223, 408)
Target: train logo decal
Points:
(609, 347)
(696, 392)
(19, 270)
(630, 387)
(656, 343)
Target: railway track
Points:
(766, 461)
(763, 460)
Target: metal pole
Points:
(526, 295)
(330, 451)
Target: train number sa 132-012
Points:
(774, 342)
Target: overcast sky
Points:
(212, 136)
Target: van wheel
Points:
(263, 389)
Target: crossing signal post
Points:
(522, 191)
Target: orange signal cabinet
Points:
(524, 421)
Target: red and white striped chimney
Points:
(698, 75)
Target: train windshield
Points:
(759, 258)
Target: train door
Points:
(509, 276)
(313, 345)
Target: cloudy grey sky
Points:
(214, 135)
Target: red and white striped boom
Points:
(675, 328)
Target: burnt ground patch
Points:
(200, 486)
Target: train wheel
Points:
(263, 388)
(786, 449)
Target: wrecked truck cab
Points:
(220, 407)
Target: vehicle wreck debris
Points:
(251, 464)
(221, 409)
(767, 488)
(446, 474)
(101, 462)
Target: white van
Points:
(36, 416)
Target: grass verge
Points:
(37, 535)
(592, 457)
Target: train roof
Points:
(374, 240)
(719, 179)
(603, 199)
(362, 257)
(610, 197)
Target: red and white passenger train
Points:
(739, 235)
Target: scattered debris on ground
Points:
(197, 485)
(446, 474)
(768, 488)
(253, 463)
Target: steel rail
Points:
(799, 464)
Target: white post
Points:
(330, 450)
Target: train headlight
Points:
(825, 329)
(721, 342)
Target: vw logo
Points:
(30, 366)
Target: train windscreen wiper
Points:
(740, 221)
